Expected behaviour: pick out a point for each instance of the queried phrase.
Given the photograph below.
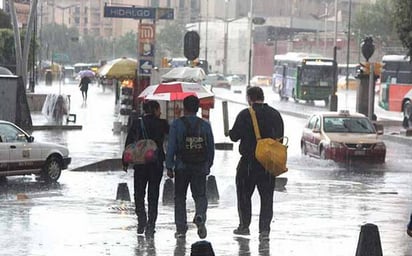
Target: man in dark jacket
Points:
(187, 172)
(250, 173)
(148, 175)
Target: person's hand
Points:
(170, 173)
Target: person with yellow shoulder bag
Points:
(250, 172)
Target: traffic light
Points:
(377, 68)
(364, 68)
(191, 44)
(165, 62)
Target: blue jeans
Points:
(197, 181)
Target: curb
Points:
(113, 164)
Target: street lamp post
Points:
(226, 23)
(250, 43)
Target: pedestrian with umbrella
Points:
(84, 86)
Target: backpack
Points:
(194, 148)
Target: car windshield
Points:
(348, 125)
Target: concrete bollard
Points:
(409, 227)
(280, 183)
(202, 248)
(123, 192)
(211, 189)
(168, 192)
(369, 243)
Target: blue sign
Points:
(165, 14)
(129, 12)
(145, 67)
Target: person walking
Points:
(148, 175)
(250, 173)
(84, 86)
(189, 157)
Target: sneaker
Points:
(140, 229)
(149, 233)
(201, 228)
(264, 235)
(180, 235)
(241, 231)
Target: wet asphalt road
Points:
(319, 212)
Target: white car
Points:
(20, 155)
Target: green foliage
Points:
(374, 19)
(170, 40)
(403, 22)
(7, 53)
(4, 20)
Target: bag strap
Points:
(255, 124)
(144, 133)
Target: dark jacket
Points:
(270, 125)
(156, 130)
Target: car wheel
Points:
(322, 153)
(52, 169)
(407, 114)
(303, 149)
(3, 180)
(326, 102)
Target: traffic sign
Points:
(129, 12)
(147, 32)
(165, 13)
(145, 67)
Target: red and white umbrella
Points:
(177, 91)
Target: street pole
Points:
(333, 102)
(371, 94)
(226, 28)
(207, 30)
(348, 46)
(250, 44)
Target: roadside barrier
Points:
(202, 248)
(168, 192)
(123, 192)
(369, 243)
(211, 190)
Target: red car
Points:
(342, 136)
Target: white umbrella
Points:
(185, 74)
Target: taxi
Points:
(342, 137)
(21, 155)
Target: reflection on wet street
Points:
(320, 211)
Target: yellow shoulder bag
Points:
(270, 153)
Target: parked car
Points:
(235, 80)
(20, 155)
(261, 81)
(353, 83)
(342, 136)
(216, 80)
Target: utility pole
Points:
(250, 43)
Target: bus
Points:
(303, 76)
(396, 82)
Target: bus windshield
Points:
(317, 76)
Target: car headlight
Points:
(336, 145)
(380, 146)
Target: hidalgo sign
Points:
(138, 12)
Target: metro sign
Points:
(147, 32)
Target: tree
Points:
(170, 40)
(22, 53)
(403, 23)
(375, 19)
(4, 20)
(7, 56)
